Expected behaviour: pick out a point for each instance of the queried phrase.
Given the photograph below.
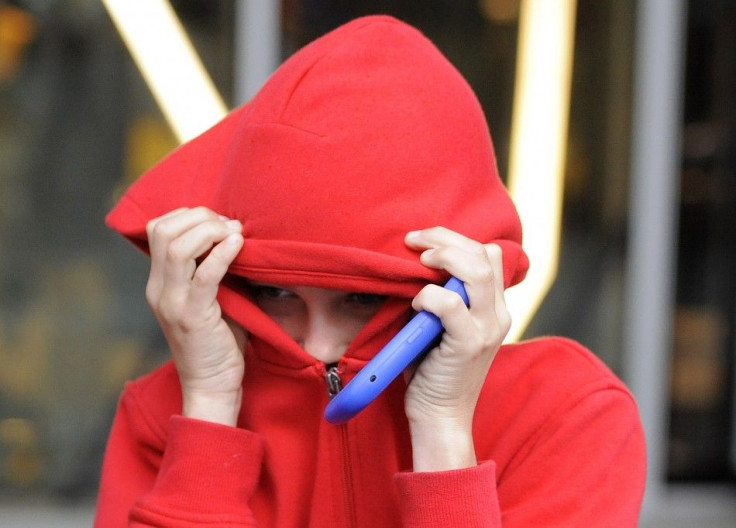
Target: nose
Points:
(324, 338)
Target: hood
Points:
(361, 136)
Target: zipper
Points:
(332, 380)
(334, 385)
(347, 478)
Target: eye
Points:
(269, 293)
(366, 299)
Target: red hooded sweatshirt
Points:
(363, 135)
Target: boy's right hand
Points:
(182, 291)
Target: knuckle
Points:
(188, 322)
(453, 302)
(160, 229)
(151, 226)
(175, 251)
(496, 328)
(421, 298)
(491, 341)
(493, 252)
(202, 210)
(477, 344)
(483, 274)
(180, 315)
(496, 331)
(152, 294)
(204, 277)
(168, 312)
(504, 321)
(479, 252)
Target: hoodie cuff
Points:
(208, 473)
(461, 497)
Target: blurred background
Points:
(78, 124)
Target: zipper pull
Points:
(333, 381)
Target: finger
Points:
(176, 239)
(162, 230)
(196, 241)
(471, 265)
(461, 256)
(481, 270)
(182, 252)
(157, 249)
(495, 256)
(151, 224)
(173, 224)
(438, 236)
(459, 326)
(213, 268)
(477, 269)
(466, 333)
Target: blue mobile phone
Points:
(417, 337)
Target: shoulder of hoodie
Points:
(553, 361)
(546, 379)
(149, 402)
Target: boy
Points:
(288, 244)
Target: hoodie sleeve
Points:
(463, 497)
(201, 474)
(584, 467)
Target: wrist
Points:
(442, 445)
(219, 407)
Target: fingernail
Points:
(413, 234)
(234, 225)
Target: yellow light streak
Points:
(538, 144)
(169, 64)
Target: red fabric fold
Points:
(343, 151)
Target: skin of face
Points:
(323, 322)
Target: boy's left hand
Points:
(445, 386)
